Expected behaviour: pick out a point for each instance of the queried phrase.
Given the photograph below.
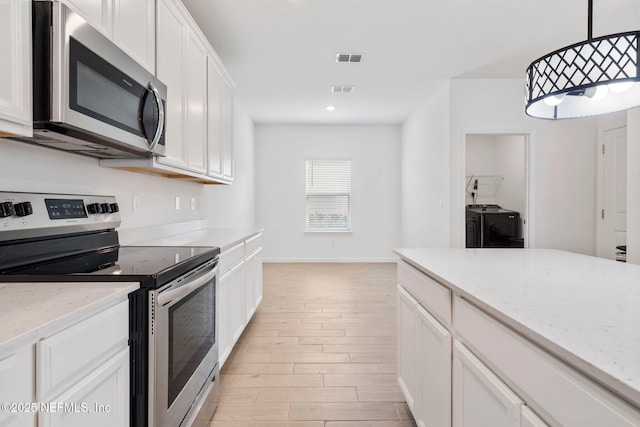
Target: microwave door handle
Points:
(160, 128)
(175, 295)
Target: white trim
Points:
(529, 149)
(328, 260)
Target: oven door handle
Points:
(174, 295)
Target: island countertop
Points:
(582, 309)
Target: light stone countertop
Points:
(29, 311)
(224, 238)
(584, 310)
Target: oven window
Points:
(191, 336)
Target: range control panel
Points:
(26, 215)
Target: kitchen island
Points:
(553, 331)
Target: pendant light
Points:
(598, 76)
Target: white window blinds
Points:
(328, 205)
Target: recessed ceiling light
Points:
(330, 107)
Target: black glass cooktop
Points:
(152, 266)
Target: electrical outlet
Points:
(193, 203)
(177, 203)
(135, 203)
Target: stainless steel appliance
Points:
(173, 327)
(490, 226)
(89, 97)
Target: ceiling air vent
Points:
(342, 89)
(348, 57)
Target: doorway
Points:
(497, 175)
(611, 220)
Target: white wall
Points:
(29, 168)
(280, 191)
(564, 155)
(233, 206)
(425, 168)
(633, 186)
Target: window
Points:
(328, 205)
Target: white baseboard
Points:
(328, 260)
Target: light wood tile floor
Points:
(319, 352)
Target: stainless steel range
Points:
(173, 328)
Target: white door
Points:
(530, 419)
(612, 218)
(196, 85)
(134, 30)
(479, 397)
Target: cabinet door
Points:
(408, 374)
(196, 85)
(434, 358)
(171, 57)
(231, 309)
(226, 132)
(100, 400)
(214, 128)
(530, 419)
(16, 386)
(98, 13)
(253, 282)
(134, 30)
(479, 397)
(15, 73)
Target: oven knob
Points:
(105, 207)
(94, 208)
(23, 209)
(114, 207)
(6, 209)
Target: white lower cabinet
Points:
(74, 376)
(100, 400)
(17, 386)
(434, 357)
(479, 397)
(424, 363)
(231, 308)
(253, 280)
(497, 377)
(407, 348)
(239, 291)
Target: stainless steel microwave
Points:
(90, 97)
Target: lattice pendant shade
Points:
(597, 76)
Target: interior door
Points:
(612, 230)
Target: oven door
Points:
(183, 348)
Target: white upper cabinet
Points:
(134, 30)
(182, 66)
(15, 69)
(130, 24)
(196, 74)
(220, 123)
(171, 57)
(98, 13)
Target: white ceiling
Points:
(281, 53)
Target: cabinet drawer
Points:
(557, 392)
(252, 244)
(231, 256)
(67, 356)
(429, 293)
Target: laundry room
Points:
(496, 190)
